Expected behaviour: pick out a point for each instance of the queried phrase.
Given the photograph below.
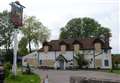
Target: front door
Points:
(98, 63)
(61, 64)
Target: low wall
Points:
(79, 79)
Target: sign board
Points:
(16, 13)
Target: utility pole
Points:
(16, 18)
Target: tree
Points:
(81, 28)
(34, 31)
(79, 58)
(6, 34)
(23, 47)
(6, 29)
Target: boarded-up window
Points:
(63, 48)
(76, 47)
(46, 49)
(98, 47)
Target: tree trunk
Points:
(29, 46)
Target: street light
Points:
(16, 18)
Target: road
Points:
(59, 76)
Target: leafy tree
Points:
(81, 28)
(8, 56)
(79, 58)
(23, 47)
(6, 34)
(34, 31)
(6, 29)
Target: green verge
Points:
(23, 78)
(114, 71)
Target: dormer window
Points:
(76, 46)
(98, 45)
(45, 47)
(63, 47)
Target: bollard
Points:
(46, 79)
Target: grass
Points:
(115, 71)
(23, 78)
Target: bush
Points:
(7, 68)
(28, 69)
(111, 70)
(81, 61)
(98, 68)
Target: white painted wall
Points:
(48, 56)
(69, 56)
(51, 55)
(106, 56)
(31, 55)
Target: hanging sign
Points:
(16, 13)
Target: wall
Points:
(51, 56)
(32, 56)
(107, 56)
(88, 54)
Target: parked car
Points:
(1, 73)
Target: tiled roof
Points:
(86, 43)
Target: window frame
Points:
(106, 62)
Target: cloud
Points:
(56, 13)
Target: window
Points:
(106, 62)
(63, 48)
(46, 49)
(40, 62)
(76, 47)
(98, 47)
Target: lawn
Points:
(23, 78)
(116, 71)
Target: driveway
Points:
(59, 76)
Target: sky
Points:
(54, 14)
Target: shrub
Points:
(111, 70)
(98, 68)
(7, 68)
(28, 69)
(81, 60)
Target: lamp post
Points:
(16, 18)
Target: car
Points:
(1, 72)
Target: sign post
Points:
(16, 18)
